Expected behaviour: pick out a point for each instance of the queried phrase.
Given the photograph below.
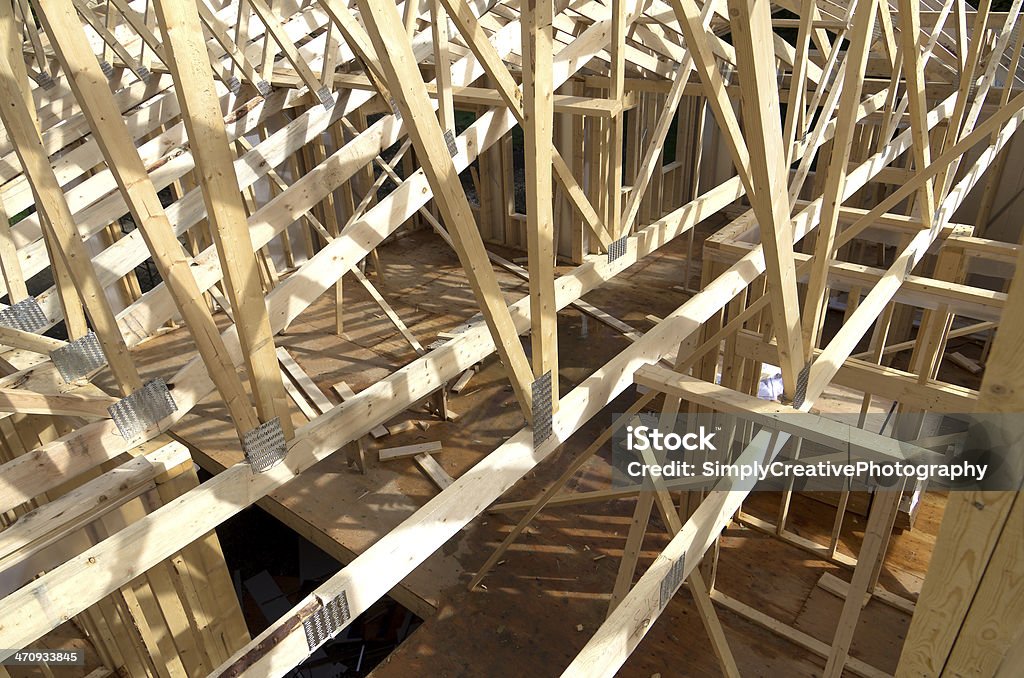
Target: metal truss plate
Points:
(671, 581)
(323, 624)
(26, 315)
(394, 109)
(107, 69)
(264, 446)
(436, 344)
(44, 80)
(617, 249)
(449, 138)
(234, 84)
(324, 95)
(78, 358)
(801, 386)
(541, 391)
(134, 413)
(144, 74)
(263, 87)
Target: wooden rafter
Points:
(761, 105)
(410, 95)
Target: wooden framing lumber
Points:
(224, 209)
(52, 521)
(858, 442)
(835, 179)
(611, 122)
(538, 121)
(60, 224)
(127, 168)
(751, 31)
(417, 114)
(64, 404)
(389, 453)
(965, 589)
(433, 470)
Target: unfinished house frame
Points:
(827, 188)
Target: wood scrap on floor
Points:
(303, 380)
(401, 427)
(962, 361)
(389, 453)
(463, 380)
(433, 470)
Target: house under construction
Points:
(325, 322)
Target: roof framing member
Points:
(410, 95)
(538, 123)
(913, 71)
(843, 437)
(752, 34)
(89, 84)
(208, 139)
(58, 221)
(835, 179)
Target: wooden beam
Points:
(617, 123)
(410, 94)
(968, 611)
(752, 31)
(433, 470)
(224, 208)
(913, 70)
(835, 179)
(29, 341)
(125, 164)
(389, 453)
(538, 121)
(51, 203)
(55, 520)
(60, 404)
(858, 442)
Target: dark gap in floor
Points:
(274, 568)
